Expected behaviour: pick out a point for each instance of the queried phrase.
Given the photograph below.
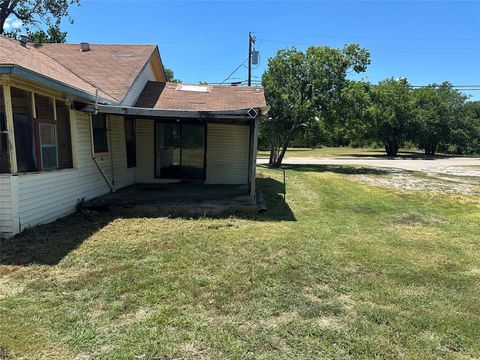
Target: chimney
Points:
(84, 47)
(24, 40)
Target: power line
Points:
(368, 37)
(392, 49)
(233, 72)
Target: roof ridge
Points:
(29, 47)
(75, 74)
(95, 44)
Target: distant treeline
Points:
(314, 105)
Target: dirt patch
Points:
(407, 181)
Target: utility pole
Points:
(251, 40)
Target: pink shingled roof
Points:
(167, 96)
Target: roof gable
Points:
(110, 68)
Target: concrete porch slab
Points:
(180, 198)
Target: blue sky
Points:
(425, 41)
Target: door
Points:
(179, 150)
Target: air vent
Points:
(84, 47)
(24, 39)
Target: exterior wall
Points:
(139, 84)
(145, 150)
(121, 176)
(46, 196)
(6, 210)
(227, 154)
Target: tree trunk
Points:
(4, 13)
(430, 149)
(281, 156)
(391, 148)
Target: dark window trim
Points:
(103, 148)
(131, 162)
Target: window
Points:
(130, 141)
(44, 107)
(100, 133)
(4, 159)
(63, 135)
(43, 142)
(48, 146)
(23, 126)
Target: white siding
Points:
(138, 85)
(145, 151)
(122, 176)
(6, 219)
(46, 196)
(227, 154)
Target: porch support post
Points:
(253, 169)
(12, 153)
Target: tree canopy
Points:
(303, 89)
(170, 75)
(392, 114)
(41, 19)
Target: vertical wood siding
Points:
(5, 207)
(46, 196)
(227, 154)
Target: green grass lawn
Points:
(343, 270)
(344, 151)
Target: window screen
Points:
(43, 107)
(63, 135)
(99, 123)
(24, 130)
(4, 159)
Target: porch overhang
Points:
(237, 114)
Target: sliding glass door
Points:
(179, 150)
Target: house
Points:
(79, 121)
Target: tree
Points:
(53, 35)
(354, 117)
(465, 134)
(170, 76)
(303, 89)
(436, 108)
(392, 114)
(48, 13)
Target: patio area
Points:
(185, 198)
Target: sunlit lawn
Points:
(343, 151)
(344, 270)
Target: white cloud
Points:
(12, 23)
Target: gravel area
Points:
(452, 175)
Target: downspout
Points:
(92, 146)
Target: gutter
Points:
(49, 82)
(172, 113)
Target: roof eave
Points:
(174, 113)
(11, 69)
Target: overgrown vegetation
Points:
(344, 270)
(314, 104)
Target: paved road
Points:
(458, 166)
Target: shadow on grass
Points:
(49, 244)
(338, 169)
